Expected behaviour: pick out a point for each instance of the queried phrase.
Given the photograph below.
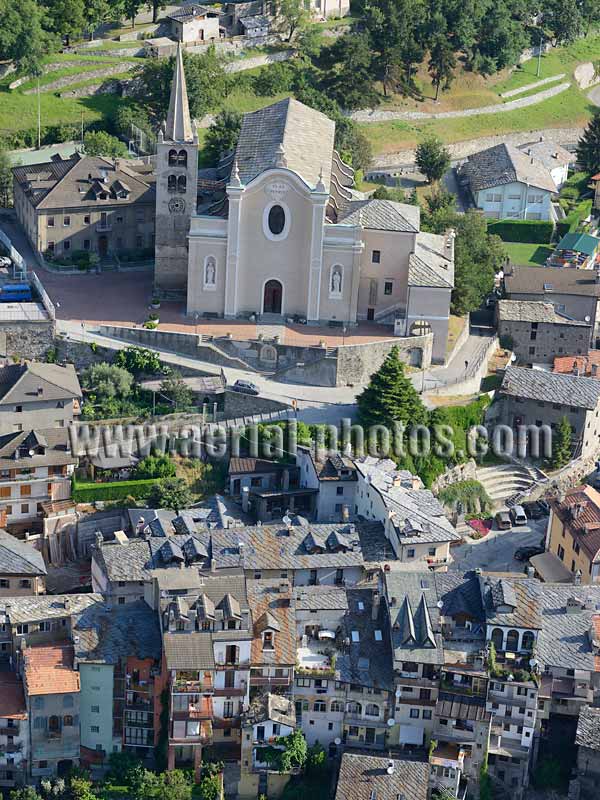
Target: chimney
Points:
(594, 369)
(449, 238)
(575, 368)
(577, 578)
(530, 572)
(375, 605)
(245, 499)
(67, 603)
(40, 390)
(541, 138)
(99, 539)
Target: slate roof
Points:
(54, 442)
(130, 562)
(48, 669)
(548, 282)
(381, 215)
(19, 558)
(42, 607)
(454, 706)
(368, 661)
(429, 265)
(188, 12)
(418, 515)
(320, 598)
(305, 135)
(270, 605)
(564, 640)
(550, 154)
(460, 594)
(520, 596)
(20, 383)
(188, 651)
(534, 311)
(362, 777)
(106, 634)
(412, 600)
(66, 184)
(330, 468)
(504, 164)
(247, 466)
(256, 21)
(588, 728)
(533, 384)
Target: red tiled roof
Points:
(584, 523)
(584, 363)
(49, 670)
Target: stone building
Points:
(22, 567)
(587, 740)
(193, 23)
(86, 203)
(279, 231)
(14, 732)
(574, 532)
(537, 332)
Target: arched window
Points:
(512, 641)
(372, 710)
(498, 639)
(527, 641)
(276, 220)
(172, 158)
(353, 708)
(181, 184)
(68, 721)
(68, 701)
(336, 707)
(182, 158)
(172, 183)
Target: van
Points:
(518, 515)
(16, 293)
(503, 522)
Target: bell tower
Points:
(176, 188)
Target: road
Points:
(494, 553)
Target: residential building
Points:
(587, 364)
(551, 155)
(507, 183)
(334, 476)
(530, 398)
(273, 652)
(364, 777)
(587, 740)
(14, 732)
(415, 523)
(270, 489)
(193, 23)
(572, 292)
(51, 688)
(22, 567)
(269, 718)
(286, 193)
(536, 332)
(578, 250)
(574, 532)
(35, 468)
(34, 395)
(86, 203)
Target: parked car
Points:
(503, 522)
(536, 509)
(5, 261)
(518, 515)
(245, 387)
(545, 507)
(525, 553)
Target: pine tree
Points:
(390, 396)
(442, 64)
(561, 444)
(588, 149)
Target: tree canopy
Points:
(588, 149)
(432, 158)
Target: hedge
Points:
(117, 490)
(570, 223)
(528, 231)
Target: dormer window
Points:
(268, 643)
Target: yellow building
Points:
(574, 532)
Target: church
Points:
(276, 230)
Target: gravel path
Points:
(372, 115)
(530, 86)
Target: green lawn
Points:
(524, 254)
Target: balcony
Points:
(263, 680)
(462, 688)
(137, 704)
(200, 710)
(204, 736)
(414, 680)
(231, 691)
(103, 227)
(183, 685)
(9, 731)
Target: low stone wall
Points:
(26, 339)
(247, 405)
(356, 363)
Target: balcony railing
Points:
(9, 731)
(264, 680)
(192, 687)
(103, 227)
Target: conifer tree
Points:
(588, 149)
(561, 444)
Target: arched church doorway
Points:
(272, 297)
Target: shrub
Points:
(117, 490)
(522, 230)
(470, 494)
(574, 218)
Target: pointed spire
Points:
(280, 159)
(179, 123)
(320, 187)
(407, 625)
(423, 623)
(235, 175)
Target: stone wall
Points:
(460, 472)
(551, 339)
(356, 363)
(247, 405)
(26, 339)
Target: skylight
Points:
(378, 636)
(355, 636)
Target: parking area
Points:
(494, 553)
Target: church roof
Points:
(381, 215)
(178, 126)
(289, 134)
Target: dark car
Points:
(533, 510)
(525, 553)
(245, 387)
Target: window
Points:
(276, 220)
(172, 158)
(410, 553)
(68, 721)
(181, 184)
(38, 703)
(5, 491)
(532, 351)
(228, 709)
(376, 257)
(172, 183)
(414, 713)
(66, 221)
(426, 713)
(561, 552)
(86, 244)
(339, 490)
(50, 222)
(51, 246)
(388, 287)
(67, 244)
(431, 551)
(121, 601)
(87, 219)
(303, 682)
(320, 706)
(256, 482)
(372, 710)
(139, 241)
(353, 731)
(95, 729)
(336, 707)
(24, 628)
(95, 709)
(4, 584)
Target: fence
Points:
(48, 304)
(16, 257)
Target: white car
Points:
(5, 261)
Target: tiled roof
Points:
(188, 651)
(54, 442)
(533, 384)
(504, 164)
(18, 557)
(588, 728)
(519, 596)
(12, 700)
(49, 670)
(41, 607)
(20, 383)
(305, 135)
(368, 661)
(588, 364)
(245, 466)
(381, 215)
(548, 282)
(320, 598)
(429, 265)
(579, 511)
(270, 604)
(188, 12)
(107, 634)
(412, 600)
(550, 154)
(564, 640)
(364, 777)
(534, 311)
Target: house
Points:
(269, 488)
(22, 567)
(415, 524)
(574, 532)
(269, 720)
(506, 183)
(587, 364)
(573, 292)
(587, 740)
(363, 777)
(334, 477)
(87, 203)
(38, 395)
(285, 192)
(256, 27)
(14, 732)
(193, 23)
(35, 468)
(579, 250)
(555, 158)
(51, 687)
(536, 332)
(326, 9)
(273, 653)
(530, 398)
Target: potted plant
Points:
(155, 302)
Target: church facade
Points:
(279, 232)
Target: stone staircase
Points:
(503, 482)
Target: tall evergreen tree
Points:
(561, 444)
(588, 149)
(390, 396)
(442, 63)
